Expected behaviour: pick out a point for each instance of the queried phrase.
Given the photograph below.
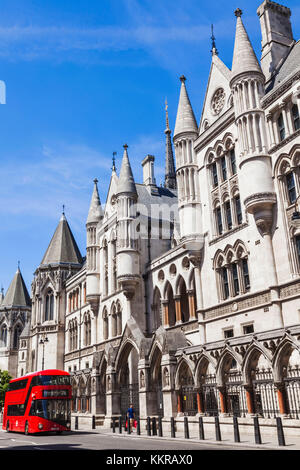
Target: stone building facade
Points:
(188, 298)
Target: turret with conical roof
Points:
(17, 293)
(185, 119)
(127, 252)
(256, 183)
(185, 133)
(126, 182)
(62, 248)
(61, 260)
(14, 315)
(95, 217)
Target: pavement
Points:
(269, 442)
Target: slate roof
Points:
(17, 294)
(290, 65)
(62, 248)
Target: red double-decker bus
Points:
(39, 402)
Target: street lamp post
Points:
(43, 340)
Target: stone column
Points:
(249, 399)
(165, 306)
(112, 396)
(178, 309)
(192, 308)
(281, 398)
(222, 400)
(200, 404)
(168, 367)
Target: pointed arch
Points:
(251, 358)
(228, 359)
(184, 373)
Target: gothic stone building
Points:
(188, 299)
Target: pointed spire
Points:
(185, 119)
(244, 58)
(126, 182)
(95, 211)
(62, 247)
(17, 293)
(170, 175)
(214, 50)
(114, 162)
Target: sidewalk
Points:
(268, 442)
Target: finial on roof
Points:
(95, 180)
(125, 146)
(63, 211)
(238, 12)
(182, 78)
(18, 265)
(114, 161)
(213, 41)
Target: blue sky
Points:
(82, 78)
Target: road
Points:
(96, 441)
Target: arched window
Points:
(281, 127)
(16, 336)
(87, 329)
(232, 272)
(296, 118)
(3, 337)
(105, 324)
(114, 321)
(119, 319)
(49, 305)
(105, 262)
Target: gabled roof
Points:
(219, 77)
(17, 294)
(62, 247)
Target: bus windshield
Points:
(52, 380)
(54, 410)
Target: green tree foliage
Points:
(4, 381)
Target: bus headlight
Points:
(40, 426)
(68, 425)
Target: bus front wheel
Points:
(26, 428)
(7, 426)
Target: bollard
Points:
(120, 424)
(280, 434)
(128, 425)
(148, 426)
(154, 432)
(218, 430)
(138, 426)
(236, 429)
(256, 430)
(201, 428)
(93, 422)
(186, 428)
(76, 422)
(114, 424)
(172, 427)
(160, 431)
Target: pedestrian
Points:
(130, 416)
